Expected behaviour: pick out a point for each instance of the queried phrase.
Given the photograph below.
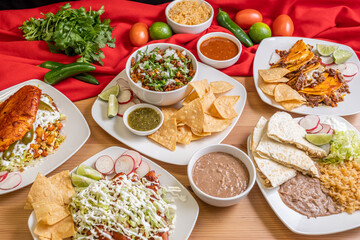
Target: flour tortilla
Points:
(272, 174)
(283, 128)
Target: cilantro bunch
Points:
(72, 32)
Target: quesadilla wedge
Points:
(272, 174)
(287, 155)
(283, 128)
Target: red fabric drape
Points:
(337, 21)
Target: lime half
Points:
(89, 172)
(113, 106)
(81, 181)
(319, 139)
(341, 55)
(325, 50)
(104, 95)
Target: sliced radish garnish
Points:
(351, 69)
(125, 96)
(143, 169)
(124, 164)
(123, 83)
(105, 165)
(326, 128)
(135, 155)
(136, 100)
(12, 180)
(327, 61)
(274, 58)
(124, 107)
(3, 175)
(340, 67)
(348, 79)
(317, 129)
(309, 122)
(331, 131)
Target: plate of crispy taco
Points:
(291, 74)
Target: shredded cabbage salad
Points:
(126, 205)
(345, 145)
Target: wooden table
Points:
(252, 218)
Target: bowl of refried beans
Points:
(221, 175)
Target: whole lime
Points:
(160, 30)
(259, 31)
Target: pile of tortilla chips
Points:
(205, 111)
(272, 82)
(49, 198)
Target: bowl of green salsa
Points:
(143, 119)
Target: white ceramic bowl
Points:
(237, 153)
(182, 28)
(219, 64)
(142, 133)
(161, 98)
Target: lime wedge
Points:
(325, 50)
(319, 139)
(104, 95)
(81, 181)
(341, 55)
(89, 172)
(113, 106)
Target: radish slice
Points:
(310, 122)
(327, 61)
(351, 69)
(326, 128)
(340, 67)
(105, 165)
(135, 155)
(3, 175)
(331, 131)
(143, 169)
(274, 58)
(136, 100)
(123, 83)
(124, 107)
(348, 79)
(125, 96)
(12, 181)
(317, 129)
(124, 164)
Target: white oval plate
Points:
(75, 129)
(181, 156)
(186, 213)
(299, 223)
(351, 103)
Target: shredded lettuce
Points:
(345, 145)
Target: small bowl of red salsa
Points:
(218, 49)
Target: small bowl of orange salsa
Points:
(218, 49)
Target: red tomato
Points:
(283, 26)
(247, 17)
(139, 34)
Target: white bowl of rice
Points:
(189, 16)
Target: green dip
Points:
(144, 119)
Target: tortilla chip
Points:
(207, 100)
(54, 236)
(200, 134)
(200, 87)
(284, 92)
(44, 238)
(274, 75)
(184, 135)
(291, 104)
(190, 97)
(62, 182)
(194, 137)
(166, 135)
(63, 229)
(168, 112)
(192, 115)
(212, 124)
(223, 107)
(43, 190)
(268, 88)
(50, 213)
(220, 87)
